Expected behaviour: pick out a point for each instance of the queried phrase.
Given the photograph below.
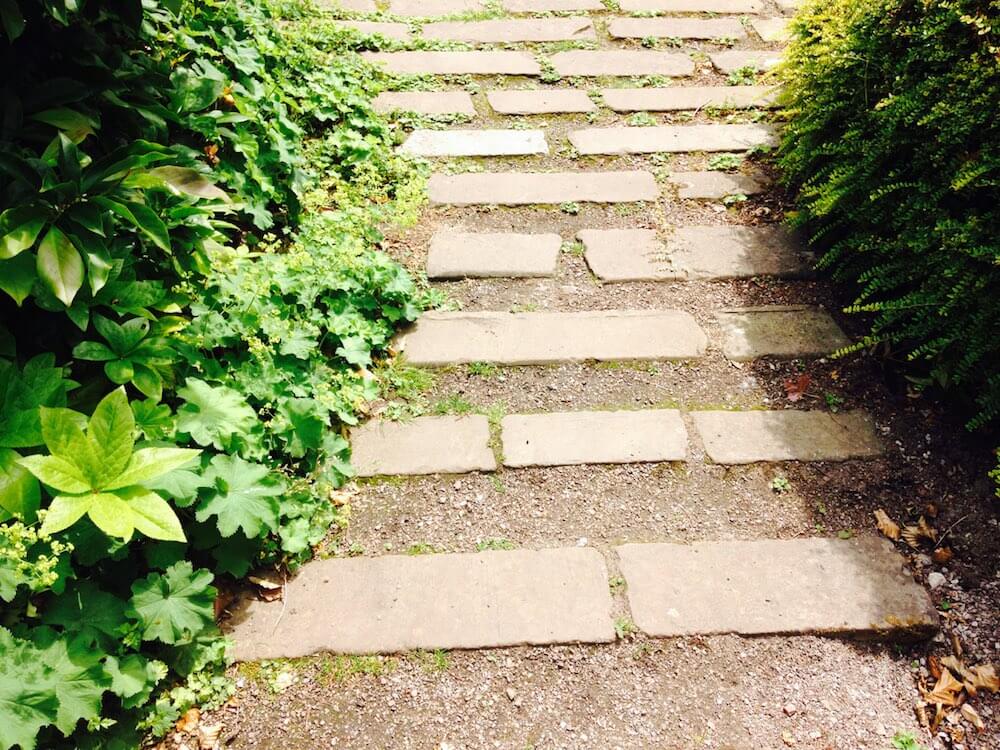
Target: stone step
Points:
(775, 587)
(789, 6)
(475, 143)
(676, 28)
(676, 98)
(455, 254)
(714, 185)
(400, 31)
(526, 188)
(746, 437)
(594, 437)
(424, 445)
(785, 332)
(452, 338)
(429, 8)
(512, 30)
(539, 102)
(621, 63)
(772, 29)
(547, 6)
(426, 102)
(456, 63)
(729, 61)
(358, 6)
(672, 138)
(627, 255)
(693, 6)
(397, 603)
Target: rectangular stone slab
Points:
(512, 30)
(714, 185)
(729, 61)
(672, 138)
(786, 332)
(746, 437)
(679, 28)
(627, 255)
(621, 63)
(693, 6)
(456, 255)
(397, 603)
(475, 143)
(359, 6)
(734, 252)
(772, 29)
(526, 188)
(593, 437)
(456, 63)
(674, 98)
(540, 102)
(424, 445)
(447, 338)
(426, 102)
(775, 587)
(546, 6)
(428, 8)
(400, 31)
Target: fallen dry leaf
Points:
(188, 723)
(931, 510)
(915, 535)
(947, 691)
(956, 645)
(795, 388)
(972, 716)
(208, 737)
(984, 677)
(934, 666)
(942, 555)
(921, 710)
(886, 525)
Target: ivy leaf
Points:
(173, 607)
(214, 415)
(245, 497)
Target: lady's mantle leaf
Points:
(214, 415)
(173, 607)
(245, 496)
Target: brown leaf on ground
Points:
(916, 535)
(984, 677)
(942, 555)
(888, 527)
(208, 737)
(267, 590)
(934, 666)
(188, 723)
(972, 716)
(947, 691)
(931, 510)
(795, 388)
(921, 710)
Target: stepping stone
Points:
(456, 63)
(426, 102)
(746, 437)
(546, 6)
(786, 332)
(425, 445)
(359, 6)
(475, 143)
(428, 8)
(714, 185)
(593, 437)
(621, 63)
(676, 28)
(456, 255)
(772, 29)
(451, 338)
(732, 60)
(398, 603)
(733, 252)
(400, 31)
(516, 30)
(693, 6)
(789, 6)
(775, 587)
(542, 101)
(526, 188)
(688, 97)
(627, 255)
(672, 138)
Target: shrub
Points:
(893, 151)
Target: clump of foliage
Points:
(893, 151)
(192, 306)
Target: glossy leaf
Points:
(60, 266)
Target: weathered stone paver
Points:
(733, 252)
(672, 138)
(456, 63)
(447, 338)
(400, 31)
(526, 188)
(539, 102)
(512, 30)
(779, 332)
(426, 102)
(425, 445)
(714, 185)
(359, 6)
(593, 437)
(675, 98)
(396, 603)
(772, 29)
(789, 6)
(627, 255)
(693, 6)
(434, 7)
(475, 143)
(621, 63)
(679, 28)
(729, 61)
(455, 254)
(546, 6)
(746, 437)
(772, 587)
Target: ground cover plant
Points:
(893, 153)
(193, 307)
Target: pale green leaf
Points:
(19, 491)
(111, 433)
(149, 463)
(60, 266)
(64, 511)
(153, 516)
(58, 473)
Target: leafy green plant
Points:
(745, 76)
(906, 741)
(725, 162)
